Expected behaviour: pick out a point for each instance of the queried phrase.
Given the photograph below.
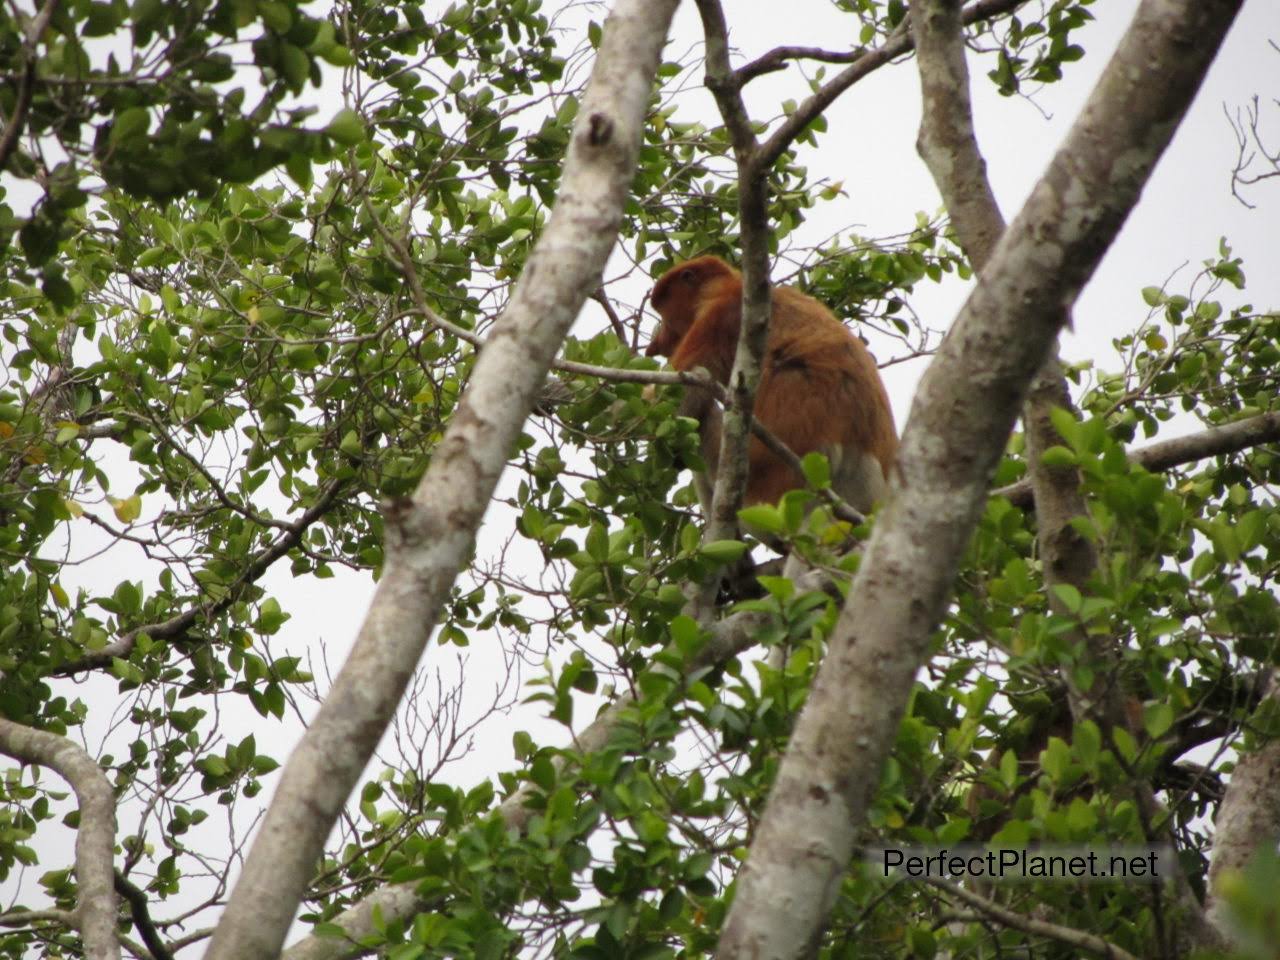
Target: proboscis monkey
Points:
(819, 387)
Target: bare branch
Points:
(871, 61)
(744, 379)
(778, 58)
(615, 321)
(95, 913)
(137, 898)
(946, 142)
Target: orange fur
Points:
(819, 387)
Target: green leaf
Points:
(543, 773)
(1057, 457)
(128, 509)
(764, 518)
(1068, 596)
(724, 551)
(1086, 738)
(346, 128)
(1157, 718)
(817, 470)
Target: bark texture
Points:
(1248, 817)
(95, 913)
(965, 407)
(430, 536)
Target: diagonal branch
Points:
(949, 146)
(778, 58)
(873, 60)
(95, 913)
(430, 536)
(1080, 939)
(141, 910)
(965, 407)
(180, 623)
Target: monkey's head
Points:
(677, 295)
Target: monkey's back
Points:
(810, 354)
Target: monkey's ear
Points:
(689, 277)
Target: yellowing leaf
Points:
(128, 509)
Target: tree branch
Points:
(778, 58)
(1247, 818)
(744, 379)
(26, 86)
(1158, 457)
(142, 917)
(872, 60)
(179, 624)
(964, 409)
(1040, 928)
(95, 913)
(430, 536)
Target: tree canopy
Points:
(304, 307)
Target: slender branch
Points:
(615, 321)
(1040, 928)
(778, 58)
(179, 624)
(1167, 454)
(95, 912)
(29, 918)
(137, 898)
(744, 379)
(947, 142)
(868, 63)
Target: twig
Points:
(1041, 928)
(180, 623)
(869, 62)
